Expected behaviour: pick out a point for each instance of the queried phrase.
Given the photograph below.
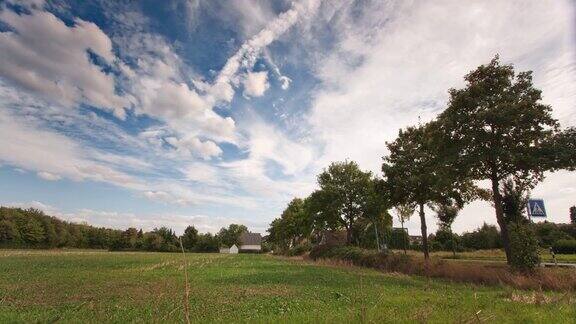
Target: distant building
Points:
(415, 239)
(330, 237)
(231, 250)
(249, 242)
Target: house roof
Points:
(248, 238)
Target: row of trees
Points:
(496, 129)
(348, 198)
(31, 228)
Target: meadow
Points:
(100, 286)
(496, 255)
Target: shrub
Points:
(524, 247)
(489, 274)
(483, 238)
(565, 246)
(548, 233)
(299, 249)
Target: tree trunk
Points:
(424, 233)
(497, 199)
(453, 244)
(377, 238)
(349, 235)
(404, 237)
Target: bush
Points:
(486, 237)
(479, 273)
(299, 249)
(524, 247)
(564, 246)
(548, 233)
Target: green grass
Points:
(80, 286)
(499, 255)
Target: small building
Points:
(415, 239)
(229, 250)
(250, 242)
(331, 237)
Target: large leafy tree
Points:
(514, 201)
(294, 225)
(404, 212)
(190, 237)
(298, 224)
(497, 128)
(415, 173)
(573, 214)
(346, 195)
(231, 235)
(446, 214)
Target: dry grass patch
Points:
(477, 273)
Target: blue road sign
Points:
(536, 208)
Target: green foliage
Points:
(565, 246)
(346, 194)
(483, 238)
(446, 214)
(373, 231)
(32, 232)
(293, 226)
(445, 240)
(9, 234)
(207, 243)
(514, 201)
(33, 229)
(190, 238)
(416, 174)
(497, 127)
(573, 215)
(548, 233)
(231, 235)
(524, 247)
(399, 239)
(299, 249)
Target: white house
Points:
(249, 242)
(231, 250)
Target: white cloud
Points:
(30, 147)
(48, 176)
(45, 56)
(246, 56)
(203, 173)
(392, 63)
(256, 83)
(191, 145)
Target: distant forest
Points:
(31, 228)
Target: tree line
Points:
(32, 228)
(496, 130)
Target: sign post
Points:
(536, 208)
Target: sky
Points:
(205, 113)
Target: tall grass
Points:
(186, 286)
(478, 273)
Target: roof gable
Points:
(247, 238)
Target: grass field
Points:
(82, 286)
(494, 255)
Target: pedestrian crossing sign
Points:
(536, 208)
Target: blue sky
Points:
(150, 113)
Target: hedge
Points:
(565, 246)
